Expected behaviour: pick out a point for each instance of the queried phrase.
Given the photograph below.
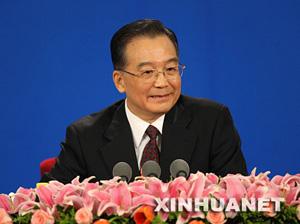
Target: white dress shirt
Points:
(138, 129)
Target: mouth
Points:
(161, 97)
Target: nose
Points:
(161, 80)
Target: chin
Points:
(161, 106)
(161, 109)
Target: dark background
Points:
(55, 68)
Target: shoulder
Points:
(98, 119)
(205, 113)
(202, 105)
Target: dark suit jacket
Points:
(197, 130)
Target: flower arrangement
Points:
(115, 201)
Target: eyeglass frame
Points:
(182, 66)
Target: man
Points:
(154, 122)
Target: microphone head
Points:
(151, 169)
(179, 167)
(122, 170)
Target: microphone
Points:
(179, 168)
(122, 170)
(151, 169)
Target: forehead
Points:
(146, 49)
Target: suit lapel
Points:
(177, 141)
(120, 147)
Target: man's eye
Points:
(148, 72)
(172, 69)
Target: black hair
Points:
(144, 27)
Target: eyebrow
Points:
(175, 59)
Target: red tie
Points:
(151, 151)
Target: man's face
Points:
(149, 100)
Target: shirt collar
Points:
(139, 126)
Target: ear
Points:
(118, 79)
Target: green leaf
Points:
(66, 215)
(158, 220)
(118, 220)
(24, 219)
(173, 215)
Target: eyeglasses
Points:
(150, 75)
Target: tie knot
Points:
(152, 132)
